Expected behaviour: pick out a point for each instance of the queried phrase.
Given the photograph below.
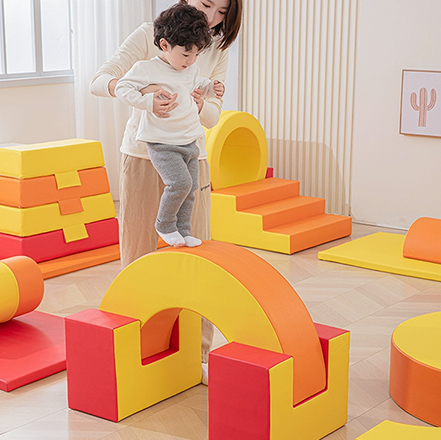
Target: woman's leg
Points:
(140, 192)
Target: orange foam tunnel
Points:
(22, 287)
(423, 240)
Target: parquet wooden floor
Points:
(370, 304)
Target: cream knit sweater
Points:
(138, 46)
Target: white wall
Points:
(395, 178)
(37, 113)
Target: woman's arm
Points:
(136, 47)
(212, 107)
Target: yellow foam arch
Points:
(245, 297)
(237, 150)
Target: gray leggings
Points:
(178, 167)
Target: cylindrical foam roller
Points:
(21, 287)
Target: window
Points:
(35, 43)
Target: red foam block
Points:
(51, 245)
(31, 348)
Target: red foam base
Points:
(51, 245)
(31, 347)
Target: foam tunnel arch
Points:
(237, 150)
(244, 296)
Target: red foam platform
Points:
(51, 245)
(31, 347)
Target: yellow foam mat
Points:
(388, 430)
(45, 218)
(58, 157)
(383, 252)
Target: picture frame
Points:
(421, 103)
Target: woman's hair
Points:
(182, 25)
(229, 28)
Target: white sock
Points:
(192, 241)
(173, 239)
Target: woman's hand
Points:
(197, 97)
(111, 86)
(163, 103)
(219, 89)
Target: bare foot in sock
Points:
(192, 241)
(174, 239)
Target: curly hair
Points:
(183, 25)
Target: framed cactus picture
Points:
(421, 103)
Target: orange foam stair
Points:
(270, 214)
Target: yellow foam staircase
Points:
(270, 214)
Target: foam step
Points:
(260, 192)
(314, 230)
(295, 209)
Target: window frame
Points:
(39, 76)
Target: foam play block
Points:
(250, 396)
(388, 430)
(21, 287)
(423, 240)
(40, 219)
(415, 367)
(105, 372)
(78, 261)
(239, 292)
(51, 245)
(26, 193)
(383, 252)
(270, 214)
(31, 347)
(61, 158)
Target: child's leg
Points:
(169, 162)
(186, 210)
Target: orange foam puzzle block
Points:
(51, 245)
(26, 193)
(423, 240)
(31, 347)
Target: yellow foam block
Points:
(388, 430)
(45, 218)
(383, 252)
(58, 157)
(237, 150)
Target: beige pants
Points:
(140, 193)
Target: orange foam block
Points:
(423, 240)
(51, 245)
(415, 367)
(81, 260)
(31, 348)
(26, 193)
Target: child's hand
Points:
(219, 89)
(197, 97)
(152, 88)
(164, 103)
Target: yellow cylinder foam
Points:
(237, 150)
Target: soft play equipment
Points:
(281, 375)
(251, 210)
(31, 342)
(56, 206)
(415, 367)
(414, 254)
(388, 430)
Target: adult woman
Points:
(140, 186)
